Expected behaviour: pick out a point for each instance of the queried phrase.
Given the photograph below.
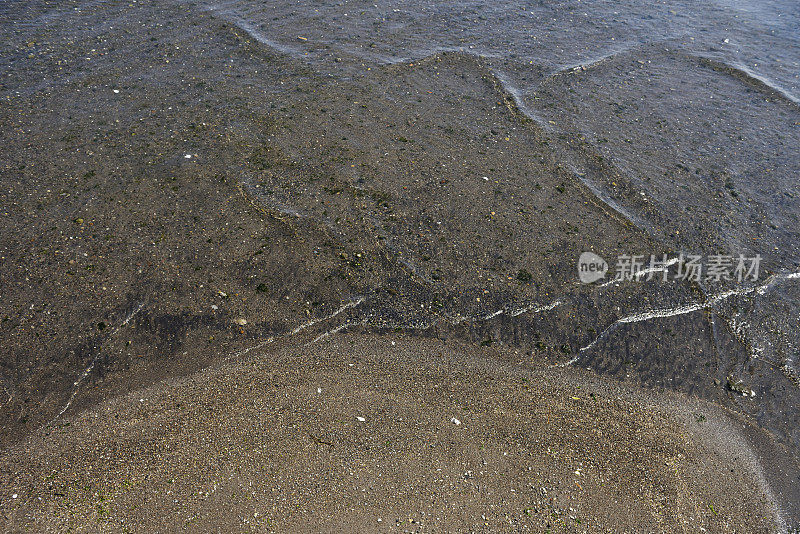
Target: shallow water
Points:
(695, 106)
(436, 168)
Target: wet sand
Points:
(174, 195)
(388, 433)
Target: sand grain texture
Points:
(274, 443)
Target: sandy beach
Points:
(280, 266)
(388, 434)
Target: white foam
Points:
(688, 308)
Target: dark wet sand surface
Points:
(415, 197)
